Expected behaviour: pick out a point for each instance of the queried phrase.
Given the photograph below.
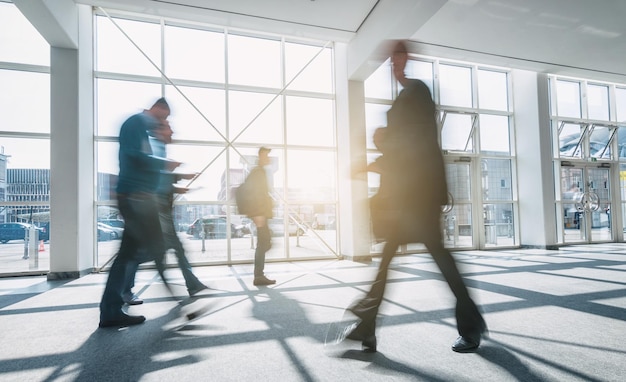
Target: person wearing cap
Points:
(261, 212)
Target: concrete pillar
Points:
(534, 160)
(72, 157)
(351, 151)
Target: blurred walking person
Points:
(407, 208)
(166, 191)
(142, 240)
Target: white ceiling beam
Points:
(390, 19)
(55, 20)
(238, 21)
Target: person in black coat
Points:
(407, 208)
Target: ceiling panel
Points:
(571, 37)
(575, 35)
(321, 19)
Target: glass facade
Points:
(229, 93)
(232, 91)
(476, 137)
(24, 145)
(589, 147)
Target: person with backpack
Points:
(254, 200)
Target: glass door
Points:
(586, 204)
(458, 220)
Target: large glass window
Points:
(229, 94)
(198, 113)
(308, 68)
(24, 145)
(598, 101)
(20, 41)
(455, 85)
(457, 132)
(255, 118)
(583, 124)
(378, 84)
(587, 127)
(620, 102)
(310, 122)
(116, 46)
(568, 104)
(254, 61)
(375, 117)
(117, 99)
(30, 92)
(492, 90)
(194, 54)
(494, 134)
(422, 70)
(476, 139)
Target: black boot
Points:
(365, 332)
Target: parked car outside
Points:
(44, 231)
(106, 234)
(116, 230)
(116, 223)
(16, 231)
(214, 227)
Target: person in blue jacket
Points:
(166, 191)
(142, 240)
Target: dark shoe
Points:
(366, 334)
(465, 345)
(262, 280)
(122, 321)
(195, 291)
(133, 300)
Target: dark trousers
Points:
(470, 322)
(173, 242)
(142, 241)
(264, 243)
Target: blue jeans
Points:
(141, 242)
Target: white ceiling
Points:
(571, 37)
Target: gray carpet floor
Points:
(552, 316)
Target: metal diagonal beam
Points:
(163, 74)
(280, 92)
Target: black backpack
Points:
(244, 197)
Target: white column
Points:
(534, 160)
(72, 156)
(353, 207)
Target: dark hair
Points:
(161, 102)
(399, 46)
